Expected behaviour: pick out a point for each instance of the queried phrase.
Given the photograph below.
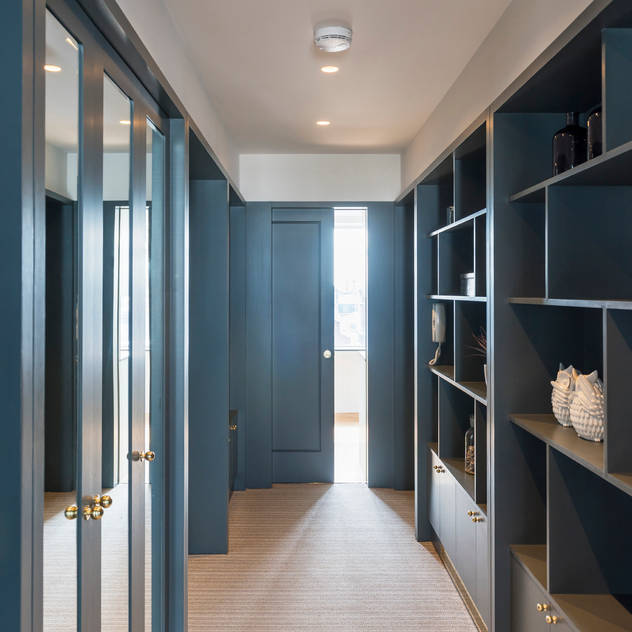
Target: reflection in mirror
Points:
(117, 116)
(155, 146)
(60, 406)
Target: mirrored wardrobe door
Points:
(116, 419)
(62, 507)
(154, 378)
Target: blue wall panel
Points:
(390, 347)
(237, 339)
(403, 384)
(380, 345)
(208, 366)
(259, 345)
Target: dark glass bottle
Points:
(469, 448)
(595, 133)
(569, 145)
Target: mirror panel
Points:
(117, 117)
(62, 78)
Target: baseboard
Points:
(460, 586)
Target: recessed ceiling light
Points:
(125, 122)
(330, 69)
(72, 43)
(52, 68)
(323, 123)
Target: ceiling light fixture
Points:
(72, 43)
(329, 69)
(323, 123)
(125, 122)
(52, 68)
(332, 39)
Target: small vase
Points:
(569, 145)
(469, 448)
(595, 133)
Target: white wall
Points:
(523, 32)
(152, 23)
(350, 382)
(320, 177)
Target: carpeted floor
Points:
(323, 557)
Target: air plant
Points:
(479, 348)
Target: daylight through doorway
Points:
(350, 395)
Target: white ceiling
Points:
(262, 71)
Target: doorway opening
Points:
(350, 320)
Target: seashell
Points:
(562, 394)
(588, 408)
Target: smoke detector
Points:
(332, 39)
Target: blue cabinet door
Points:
(302, 334)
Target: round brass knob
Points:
(542, 607)
(71, 512)
(552, 619)
(232, 427)
(470, 513)
(97, 512)
(150, 456)
(106, 501)
(86, 512)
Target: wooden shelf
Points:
(565, 440)
(477, 390)
(599, 612)
(457, 297)
(613, 168)
(533, 558)
(456, 467)
(595, 612)
(572, 302)
(459, 223)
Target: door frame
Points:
(324, 217)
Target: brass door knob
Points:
(71, 512)
(552, 619)
(542, 607)
(139, 455)
(232, 427)
(472, 513)
(477, 519)
(97, 512)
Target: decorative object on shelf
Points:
(480, 348)
(569, 145)
(467, 284)
(450, 215)
(469, 448)
(588, 409)
(595, 133)
(562, 394)
(438, 330)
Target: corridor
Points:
(323, 557)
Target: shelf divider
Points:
(477, 390)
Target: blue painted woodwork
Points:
(302, 328)
(208, 366)
(258, 346)
(237, 339)
(390, 329)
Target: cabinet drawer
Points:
(464, 557)
(434, 492)
(525, 597)
(482, 596)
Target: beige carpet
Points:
(323, 557)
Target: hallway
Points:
(323, 557)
